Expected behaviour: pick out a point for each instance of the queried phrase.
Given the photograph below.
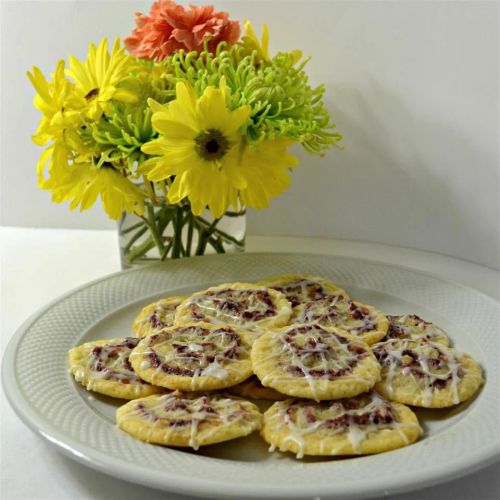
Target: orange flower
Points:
(170, 27)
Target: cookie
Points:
(188, 420)
(246, 305)
(309, 361)
(196, 357)
(426, 374)
(357, 319)
(412, 327)
(300, 288)
(156, 316)
(253, 389)
(357, 426)
(103, 366)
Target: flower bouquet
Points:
(179, 130)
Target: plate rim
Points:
(98, 460)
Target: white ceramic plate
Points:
(456, 441)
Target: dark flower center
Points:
(92, 94)
(211, 144)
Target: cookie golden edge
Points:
(281, 304)
(78, 367)
(320, 444)
(406, 391)
(440, 336)
(141, 326)
(370, 338)
(138, 428)
(237, 370)
(266, 365)
(284, 279)
(381, 322)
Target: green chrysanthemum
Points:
(283, 103)
(125, 127)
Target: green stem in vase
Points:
(189, 242)
(217, 244)
(140, 250)
(135, 237)
(151, 222)
(178, 224)
(205, 231)
(188, 235)
(225, 236)
(163, 256)
(202, 237)
(131, 228)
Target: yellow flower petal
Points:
(201, 149)
(98, 79)
(251, 42)
(172, 129)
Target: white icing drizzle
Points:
(193, 351)
(145, 364)
(215, 370)
(241, 307)
(162, 316)
(357, 418)
(197, 417)
(432, 367)
(412, 327)
(302, 290)
(312, 353)
(109, 362)
(338, 311)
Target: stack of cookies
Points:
(340, 372)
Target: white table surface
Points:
(38, 265)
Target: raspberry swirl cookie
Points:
(103, 366)
(156, 316)
(412, 327)
(253, 389)
(188, 420)
(357, 319)
(426, 374)
(309, 361)
(241, 304)
(194, 357)
(299, 288)
(357, 426)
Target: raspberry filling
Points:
(346, 413)
(314, 352)
(426, 362)
(111, 361)
(239, 305)
(191, 415)
(411, 325)
(302, 291)
(193, 350)
(162, 316)
(176, 407)
(156, 322)
(335, 310)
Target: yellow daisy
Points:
(59, 104)
(61, 112)
(200, 144)
(99, 77)
(82, 183)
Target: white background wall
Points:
(412, 85)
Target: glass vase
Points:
(167, 231)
